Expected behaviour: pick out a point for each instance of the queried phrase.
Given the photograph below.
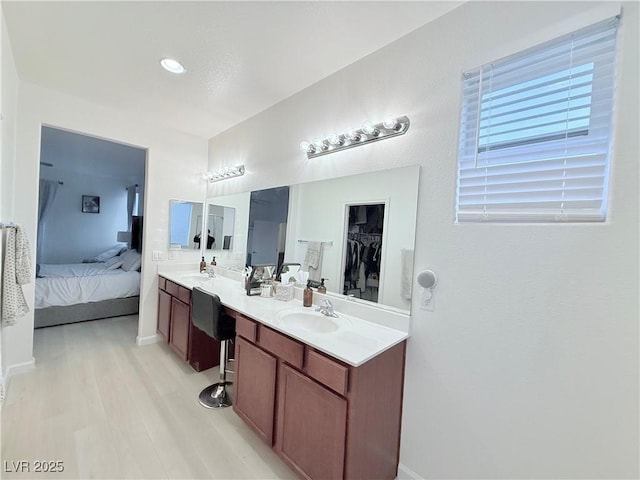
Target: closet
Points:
(363, 251)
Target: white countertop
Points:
(355, 341)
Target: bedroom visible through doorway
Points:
(89, 238)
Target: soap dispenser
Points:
(307, 295)
(213, 261)
(322, 287)
(203, 265)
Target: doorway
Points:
(363, 254)
(91, 204)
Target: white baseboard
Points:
(405, 473)
(142, 341)
(16, 369)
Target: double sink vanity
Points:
(324, 392)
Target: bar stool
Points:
(207, 314)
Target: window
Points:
(535, 132)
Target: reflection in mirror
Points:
(266, 237)
(260, 274)
(319, 233)
(185, 223)
(234, 257)
(220, 227)
(318, 212)
(363, 254)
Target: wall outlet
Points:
(426, 299)
(172, 255)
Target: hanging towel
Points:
(312, 257)
(406, 272)
(17, 272)
(313, 260)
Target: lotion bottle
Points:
(307, 296)
(203, 265)
(213, 261)
(322, 287)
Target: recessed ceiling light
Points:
(172, 65)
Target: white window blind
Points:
(535, 132)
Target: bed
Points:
(87, 291)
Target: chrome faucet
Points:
(326, 308)
(210, 271)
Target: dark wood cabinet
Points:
(255, 386)
(175, 326)
(164, 314)
(324, 418)
(312, 424)
(180, 328)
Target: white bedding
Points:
(96, 284)
(74, 270)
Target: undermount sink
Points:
(196, 278)
(308, 320)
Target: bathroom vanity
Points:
(174, 325)
(324, 393)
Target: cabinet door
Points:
(255, 388)
(311, 428)
(180, 323)
(164, 314)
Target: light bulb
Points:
(390, 123)
(370, 129)
(320, 144)
(353, 135)
(336, 140)
(304, 146)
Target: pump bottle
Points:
(307, 296)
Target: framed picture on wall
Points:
(90, 204)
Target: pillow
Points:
(106, 255)
(117, 261)
(115, 265)
(131, 260)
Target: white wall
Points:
(8, 109)
(9, 93)
(528, 367)
(175, 163)
(70, 234)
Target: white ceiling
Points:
(241, 57)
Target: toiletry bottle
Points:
(203, 265)
(307, 295)
(213, 261)
(322, 287)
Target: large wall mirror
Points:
(185, 224)
(377, 210)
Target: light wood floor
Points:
(107, 408)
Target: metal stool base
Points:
(215, 396)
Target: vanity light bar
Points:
(225, 173)
(368, 133)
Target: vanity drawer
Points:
(172, 288)
(245, 328)
(181, 293)
(281, 346)
(162, 283)
(184, 294)
(327, 371)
